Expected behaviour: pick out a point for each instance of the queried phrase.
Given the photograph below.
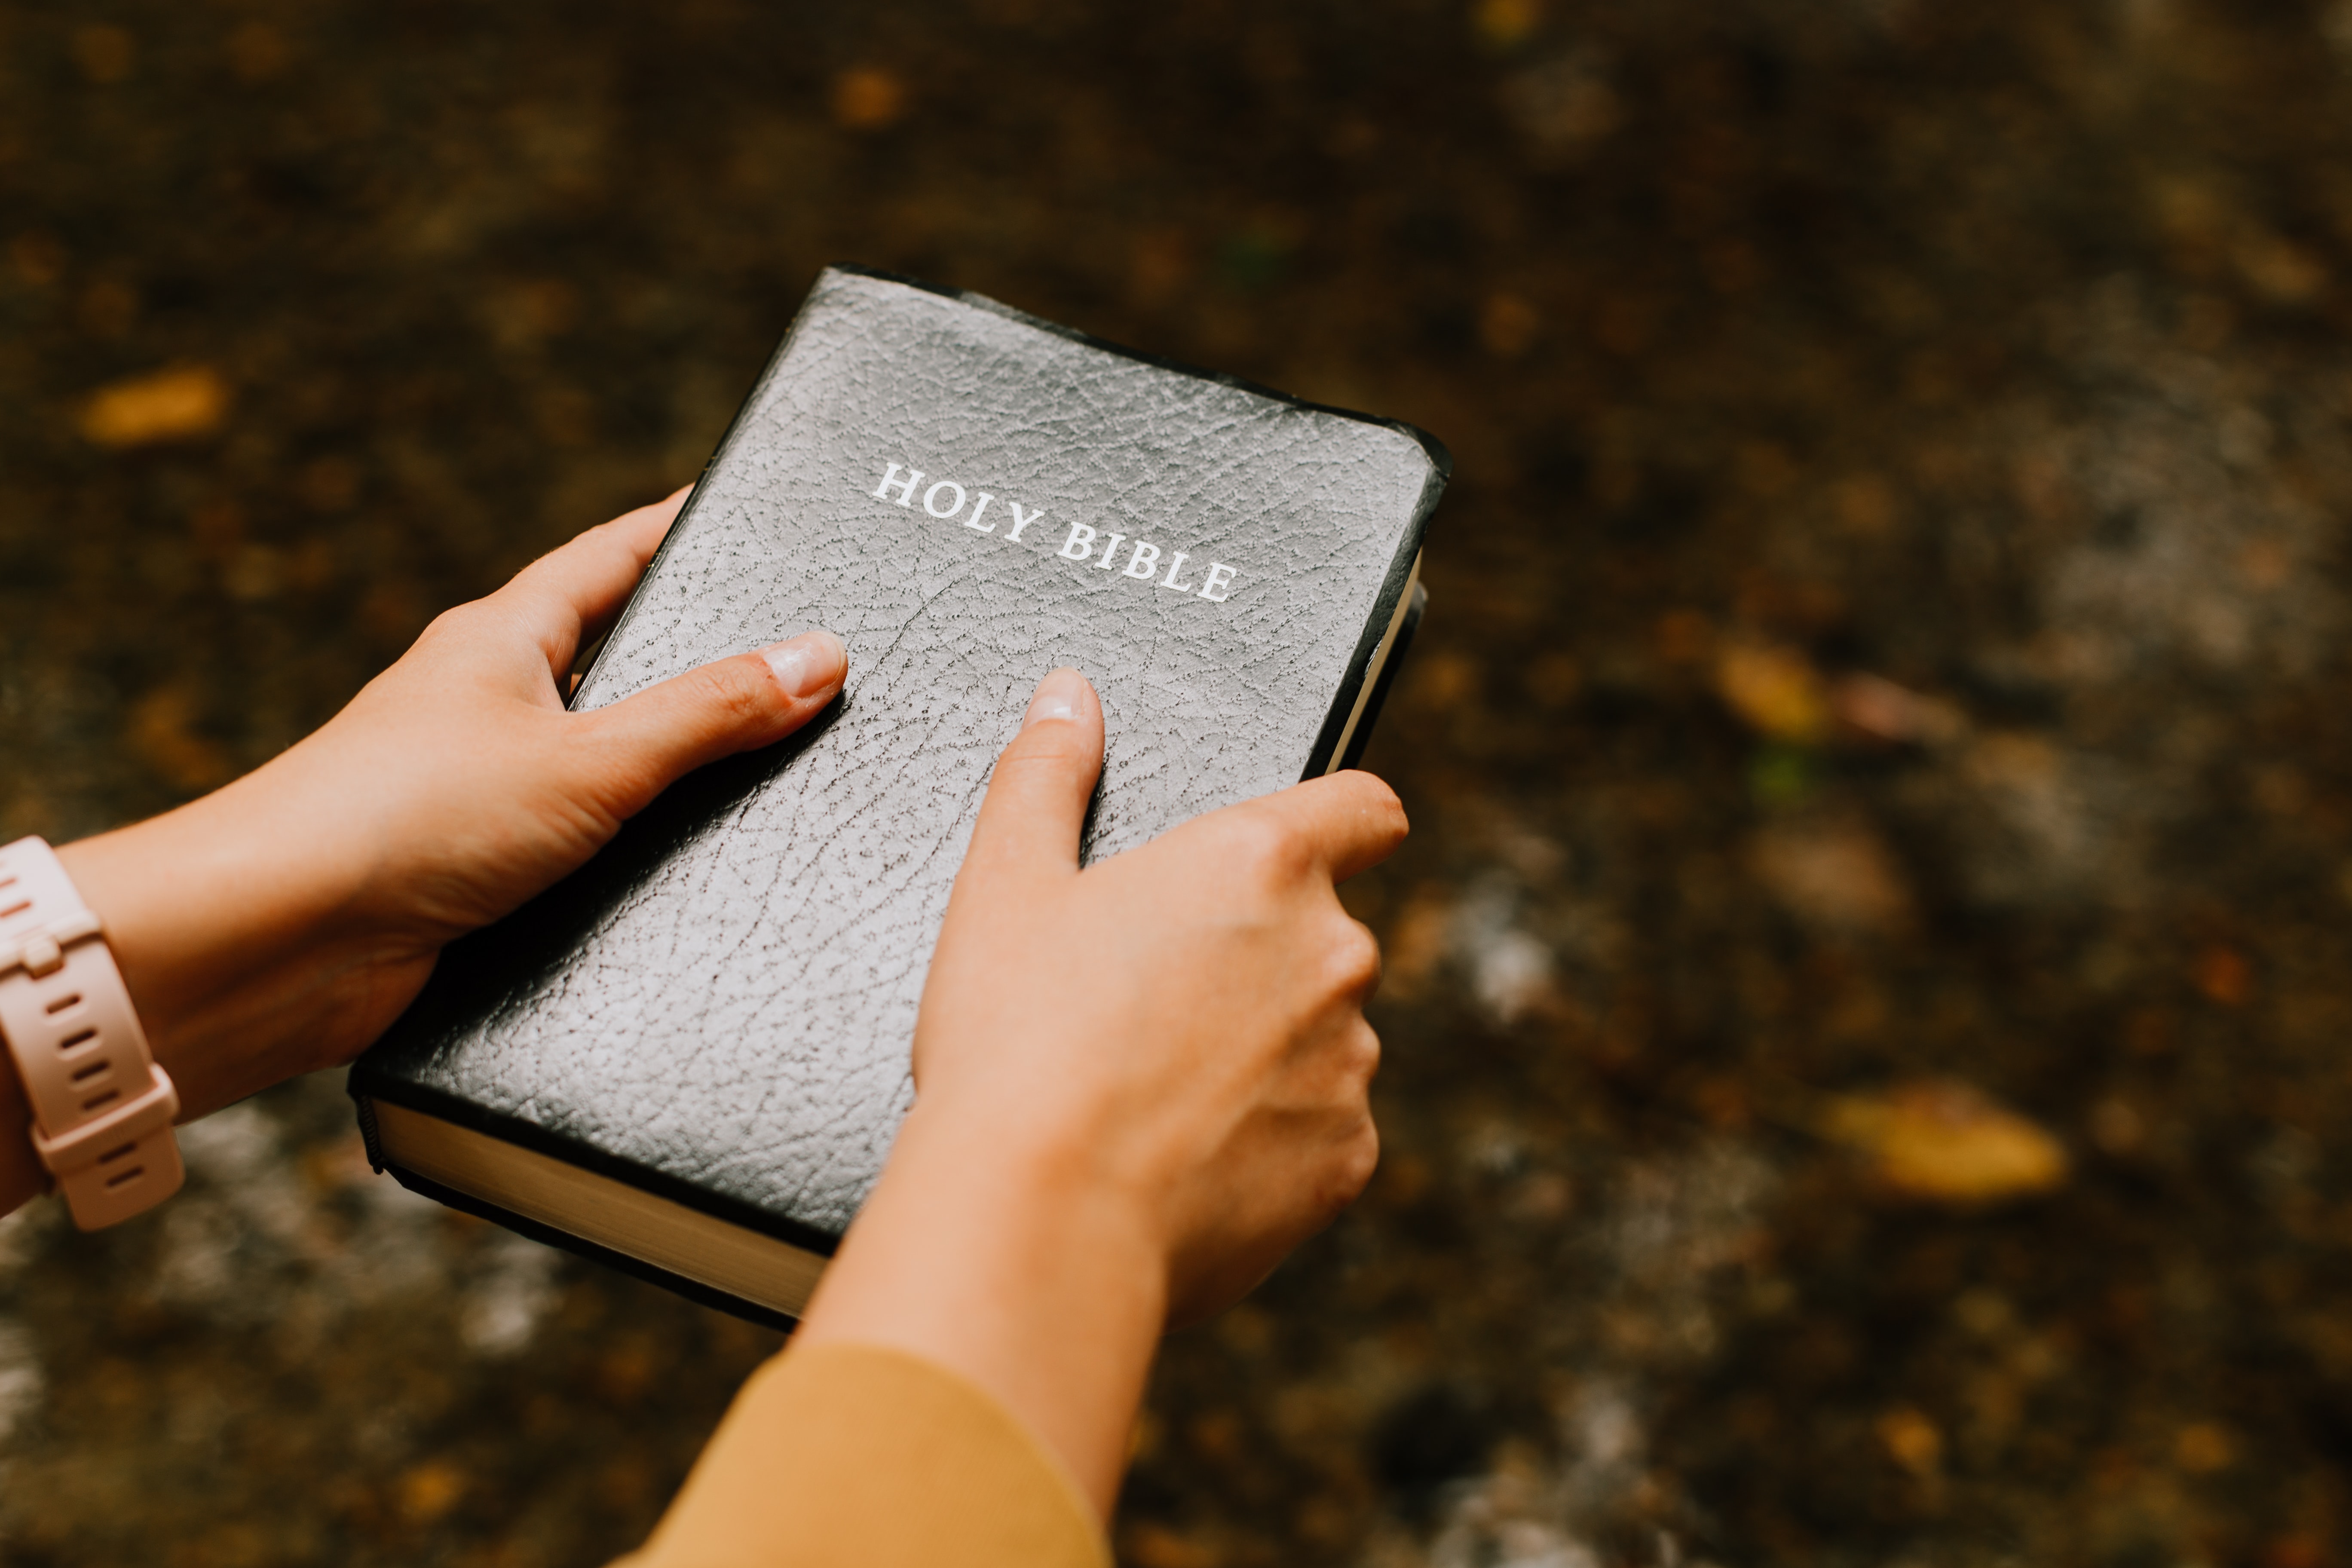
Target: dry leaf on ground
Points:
(1946, 1143)
(865, 97)
(1775, 690)
(166, 405)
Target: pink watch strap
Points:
(103, 1109)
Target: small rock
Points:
(1835, 876)
(1876, 707)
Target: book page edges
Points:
(606, 1213)
(1379, 661)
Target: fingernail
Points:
(810, 664)
(1058, 697)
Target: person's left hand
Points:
(279, 924)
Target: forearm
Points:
(228, 940)
(1016, 1270)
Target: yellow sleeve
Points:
(864, 1457)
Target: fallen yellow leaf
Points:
(2202, 1448)
(1506, 23)
(1941, 1141)
(2224, 974)
(867, 99)
(166, 405)
(1911, 1440)
(429, 1490)
(1775, 690)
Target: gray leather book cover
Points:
(717, 1008)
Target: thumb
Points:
(714, 710)
(1037, 796)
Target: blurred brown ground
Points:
(1868, 991)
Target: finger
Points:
(567, 597)
(1348, 822)
(1354, 957)
(1036, 802)
(644, 743)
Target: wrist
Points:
(98, 1106)
(233, 945)
(1044, 1191)
(1011, 1265)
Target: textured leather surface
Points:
(726, 994)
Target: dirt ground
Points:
(1867, 995)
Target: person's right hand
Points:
(1137, 1086)
(1182, 1024)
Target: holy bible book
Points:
(689, 1058)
